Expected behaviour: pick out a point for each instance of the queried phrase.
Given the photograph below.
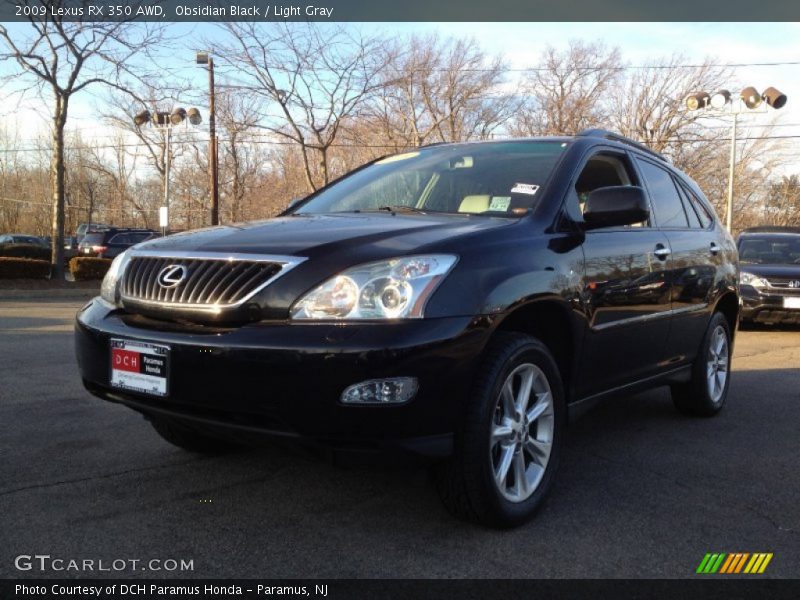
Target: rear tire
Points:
(705, 394)
(508, 448)
(184, 437)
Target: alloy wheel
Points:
(522, 432)
(717, 364)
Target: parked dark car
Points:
(85, 228)
(770, 275)
(21, 238)
(459, 302)
(111, 242)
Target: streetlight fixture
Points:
(204, 58)
(165, 121)
(748, 100)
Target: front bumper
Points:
(768, 306)
(285, 379)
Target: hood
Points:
(771, 271)
(313, 236)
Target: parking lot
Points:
(642, 491)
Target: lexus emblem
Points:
(172, 276)
(794, 284)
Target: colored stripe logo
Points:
(733, 563)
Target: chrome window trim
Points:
(287, 264)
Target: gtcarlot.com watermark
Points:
(48, 563)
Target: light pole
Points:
(165, 121)
(204, 58)
(748, 100)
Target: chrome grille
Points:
(211, 282)
(785, 284)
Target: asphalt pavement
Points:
(642, 491)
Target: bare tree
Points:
(118, 166)
(23, 182)
(567, 90)
(152, 94)
(86, 188)
(315, 77)
(650, 105)
(651, 108)
(64, 58)
(783, 202)
(441, 91)
(237, 116)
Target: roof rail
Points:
(616, 137)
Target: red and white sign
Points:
(139, 366)
(125, 360)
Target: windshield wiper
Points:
(402, 208)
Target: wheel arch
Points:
(551, 321)
(728, 305)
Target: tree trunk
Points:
(58, 182)
(307, 167)
(323, 163)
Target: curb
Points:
(48, 294)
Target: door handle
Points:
(714, 248)
(662, 252)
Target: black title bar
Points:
(398, 11)
(703, 587)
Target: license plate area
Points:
(140, 367)
(791, 302)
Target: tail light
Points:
(99, 249)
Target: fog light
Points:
(396, 390)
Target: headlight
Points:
(388, 289)
(109, 289)
(746, 278)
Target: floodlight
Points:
(696, 101)
(720, 98)
(141, 118)
(177, 116)
(194, 116)
(774, 98)
(751, 97)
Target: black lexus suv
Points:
(770, 277)
(460, 302)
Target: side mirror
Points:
(615, 206)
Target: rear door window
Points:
(664, 196)
(691, 213)
(699, 207)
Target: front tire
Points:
(509, 446)
(705, 394)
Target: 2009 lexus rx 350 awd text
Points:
(460, 302)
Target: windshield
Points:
(26, 239)
(91, 239)
(770, 249)
(497, 178)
